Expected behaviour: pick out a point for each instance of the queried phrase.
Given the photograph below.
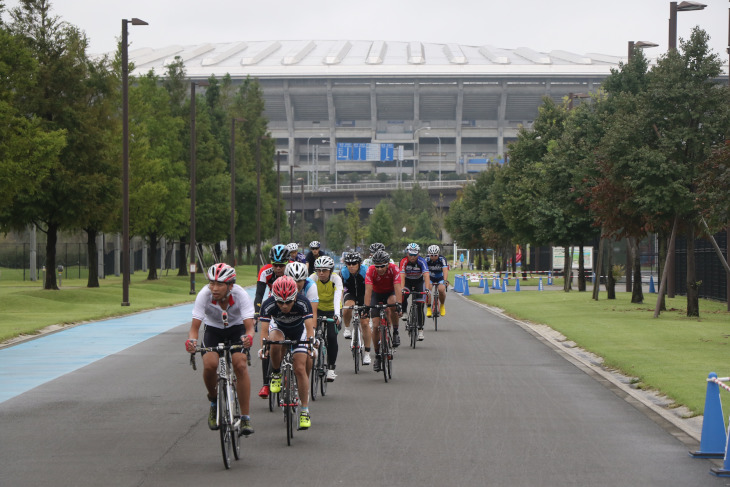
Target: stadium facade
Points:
(443, 108)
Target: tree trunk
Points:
(182, 259)
(51, 238)
(598, 267)
(610, 281)
(581, 270)
(93, 280)
(637, 293)
(662, 240)
(152, 257)
(693, 287)
(567, 268)
(660, 305)
(629, 265)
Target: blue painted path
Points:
(35, 362)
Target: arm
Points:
(338, 295)
(368, 294)
(309, 325)
(248, 338)
(193, 335)
(260, 289)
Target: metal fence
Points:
(708, 268)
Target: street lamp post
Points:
(439, 157)
(232, 250)
(193, 168)
(639, 45)
(125, 157)
(415, 154)
(301, 182)
(278, 194)
(673, 9)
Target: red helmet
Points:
(284, 289)
(222, 273)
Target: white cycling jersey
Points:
(240, 307)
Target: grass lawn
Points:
(672, 354)
(28, 308)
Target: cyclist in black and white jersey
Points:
(353, 280)
(228, 314)
(439, 270)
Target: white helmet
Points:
(296, 270)
(434, 250)
(324, 262)
(292, 247)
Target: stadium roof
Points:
(327, 58)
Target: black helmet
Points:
(374, 247)
(352, 258)
(380, 257)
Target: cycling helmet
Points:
(278, 254)
(314, 244)
(380, 257)
(296, 270)
(292, 247)
(324, 262)
(434, 250)
(222, 273)
(375, 247)
(352, 258)
(413, 249)
(284, 289)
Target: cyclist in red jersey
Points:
(279, 257)
(383, 285)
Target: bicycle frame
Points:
(356, 343)
(289, 395)
(385, 350)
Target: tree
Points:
(356, 232)
(336, 231)
(381, 224)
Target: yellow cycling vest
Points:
(326, 292)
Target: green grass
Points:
(671, 354)
(27, 308)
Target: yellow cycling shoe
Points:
(443, 310)
(304, 421)
(275, 384)
(428, 312)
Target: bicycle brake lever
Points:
(192, 361)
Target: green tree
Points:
(380, 228)
(356, 232)
(336, 231)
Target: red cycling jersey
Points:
(386, 282)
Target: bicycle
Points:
(289, 395)
(412, 323)
(435, 309)
(228, 415)
(356, 343)
(318, 379)
(386, 350)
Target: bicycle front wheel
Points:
(224, 427)
(288, 404)
(236, 432)
(356, 348)
(384, 351)
(315, 376)
(412, 325)
(323, 372)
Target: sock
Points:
(275, 371)
(304, 409)
(245, 417)
(367, 349)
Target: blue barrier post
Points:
(713, 440)
(517, 284)
(481, 281)
(466, 286)
(539, 285)
(458, 285)
(505, 281)
(651, 285)
(486, 287)
(550, 279)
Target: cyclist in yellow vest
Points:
(329, 289)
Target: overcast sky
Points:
(580, 26)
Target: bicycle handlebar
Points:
(219, 348)
(381, 306)
(408, 291)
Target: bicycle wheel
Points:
(435, 311)
(323, 371)
(273, 400)
(389, 356)
(384, 352)
(288, 404)
(236, 432)
(412, 325)
(356, 348)
(315, 376)
(223, 426)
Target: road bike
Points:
(318, 380)
(228, 416)
(435, 309)
(385, 351)
(289, 394)
(356, 343)
(412, 322)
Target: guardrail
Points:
(309, 188)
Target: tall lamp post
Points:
(125, 157)
(673, 9)
(416, 140)
(301, 182)
(291, 201)
(232, 250)
(193, 168)
(278, 194)
(639, 45)
(439, 156)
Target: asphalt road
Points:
(480, 402)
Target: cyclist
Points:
(287, 314)
(312, 255)
(374, 247)
(219, 303)
(279, 257)
(329, 289)
(306, 286)
(353, 281)
(439, 270)
(294, 254)
(383, 285)
(414, 275)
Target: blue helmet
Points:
(279, 254)
(413, 249)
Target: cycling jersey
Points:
(266, 279)
(414, 271)
(436, 268)
(311, 258)
(330, 293)
(354, 284)
(291, 321)
(386, 282)
(310, 291)
(240, 307)
(299, 258)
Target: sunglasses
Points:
(278, 265)
(280, 300)
(381, 266)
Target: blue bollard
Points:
(505, 282)
(458, 284)
(486, 287)
(713, 440)
(550, 278)
(539, 285)
(651, 285)
(517, 284)
(466, 287)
